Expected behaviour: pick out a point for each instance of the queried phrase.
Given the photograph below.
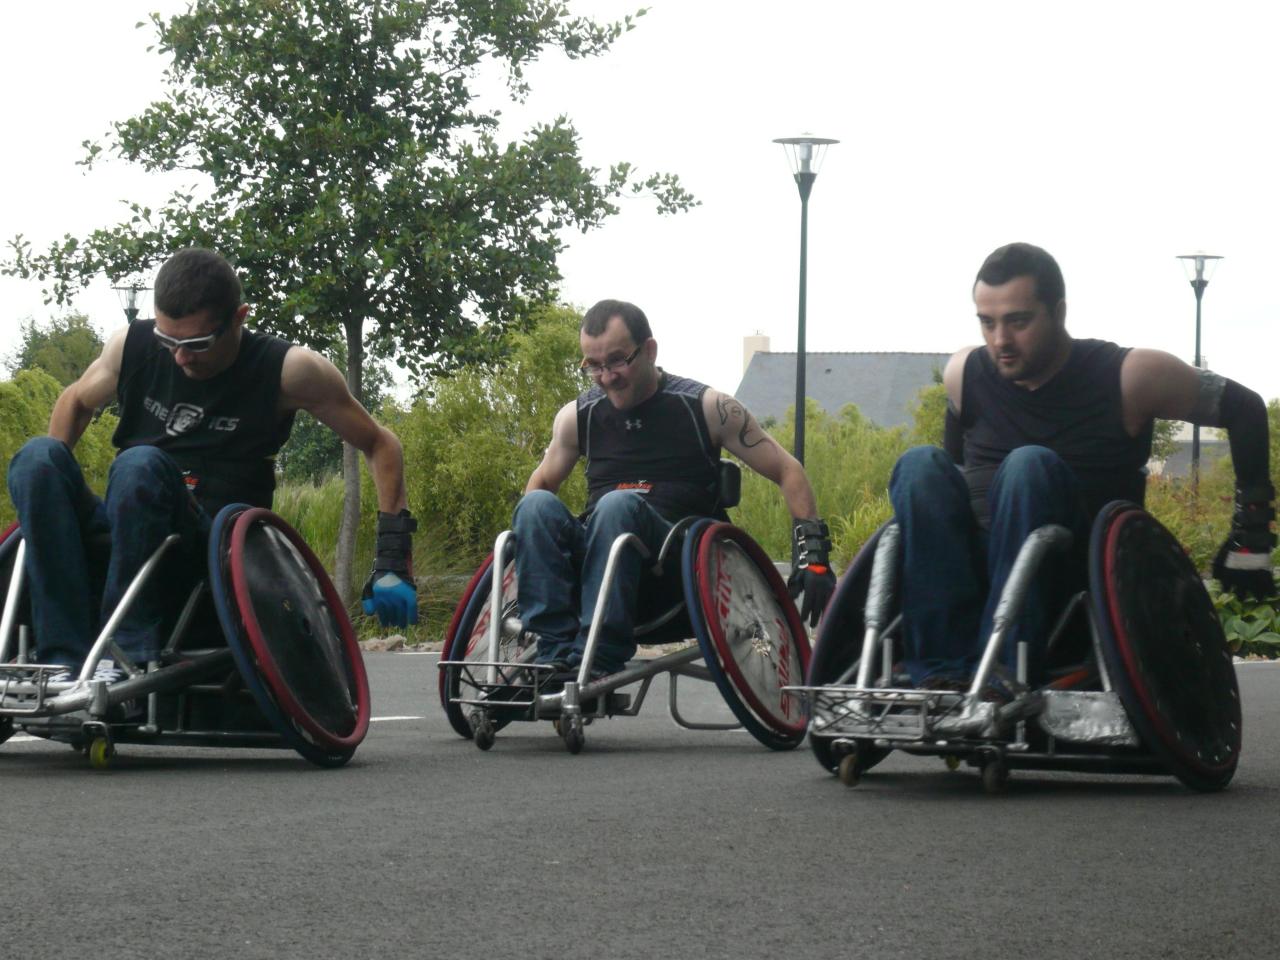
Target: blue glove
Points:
(395, 601)
(390, 592)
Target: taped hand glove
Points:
(811, 572)
(390, 591)
(1243, 563)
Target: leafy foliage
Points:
(25, 404)
(64, 347)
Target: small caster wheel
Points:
(484, 735)
(571, 731)
(101, 750)
(952, 762)
(849, 771)
(995, 776)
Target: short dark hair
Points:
(597, 318)
(1024, 260)
(196, 279)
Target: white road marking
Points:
(377, 719)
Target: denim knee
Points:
(38, 456)
(538, 507)
(1034, 469)
(148, 473)
(618, 506)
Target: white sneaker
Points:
(108, 671)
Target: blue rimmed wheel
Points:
(291, 639)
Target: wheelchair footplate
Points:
(26, 690)
(899, 715)
(510, 687)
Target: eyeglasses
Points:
(609, 366)
(192, 344)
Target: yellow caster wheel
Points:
(101, 751)
(849, 770)
(952, 762)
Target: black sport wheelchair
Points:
(1140, 677)
(260, 653)
(710, 581)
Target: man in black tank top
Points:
(204, 406)
(1048, 429)
(652, 445)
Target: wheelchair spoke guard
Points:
(1164, 647)
(468, 639)
(289, 634)
(748, 629)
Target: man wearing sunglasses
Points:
(652, 445)
(204, 404)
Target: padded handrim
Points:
(266, 662)
(4, 537)
(1156, 730)
(446, 650)
(706, 591)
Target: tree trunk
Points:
(350, 524)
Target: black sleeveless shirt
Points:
(1077, 415)
(660, 448)
(223, 432)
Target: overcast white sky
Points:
(1115, 135)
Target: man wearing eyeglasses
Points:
(652, 445)
(204, 405)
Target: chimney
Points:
(756, 343)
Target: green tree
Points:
(475, 441)
(344, 161)
(64, 347)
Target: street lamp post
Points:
(1199, 268)
(805, 155)
(131, 299)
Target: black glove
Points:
(390, 591)
(811, 568)
(1243, 563)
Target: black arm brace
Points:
(953, 436)
(1244, 416)
(394, 546)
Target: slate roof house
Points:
(883, 385)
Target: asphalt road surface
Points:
(654, 842)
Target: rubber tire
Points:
(1137, 673)
(840, 627)
(696, 586)
(229, 617)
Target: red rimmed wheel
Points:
(1164, 647)
(752, 633)
(303, 644)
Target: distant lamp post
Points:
(805, 155)
(1199, 268)
(131, 299)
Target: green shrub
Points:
(25, 404)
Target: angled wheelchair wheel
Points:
(289, 634)
(10, 537)
(468, 639)
(749, 631)
(837, 649)
(1164, 648)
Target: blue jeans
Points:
(71, 594)
(953, 571)
(560, 563)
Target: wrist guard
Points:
(394, 549)
(1253, 510)
(811, 544)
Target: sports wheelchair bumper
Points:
(710, 581)
(261, 654)
(1140, 677)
